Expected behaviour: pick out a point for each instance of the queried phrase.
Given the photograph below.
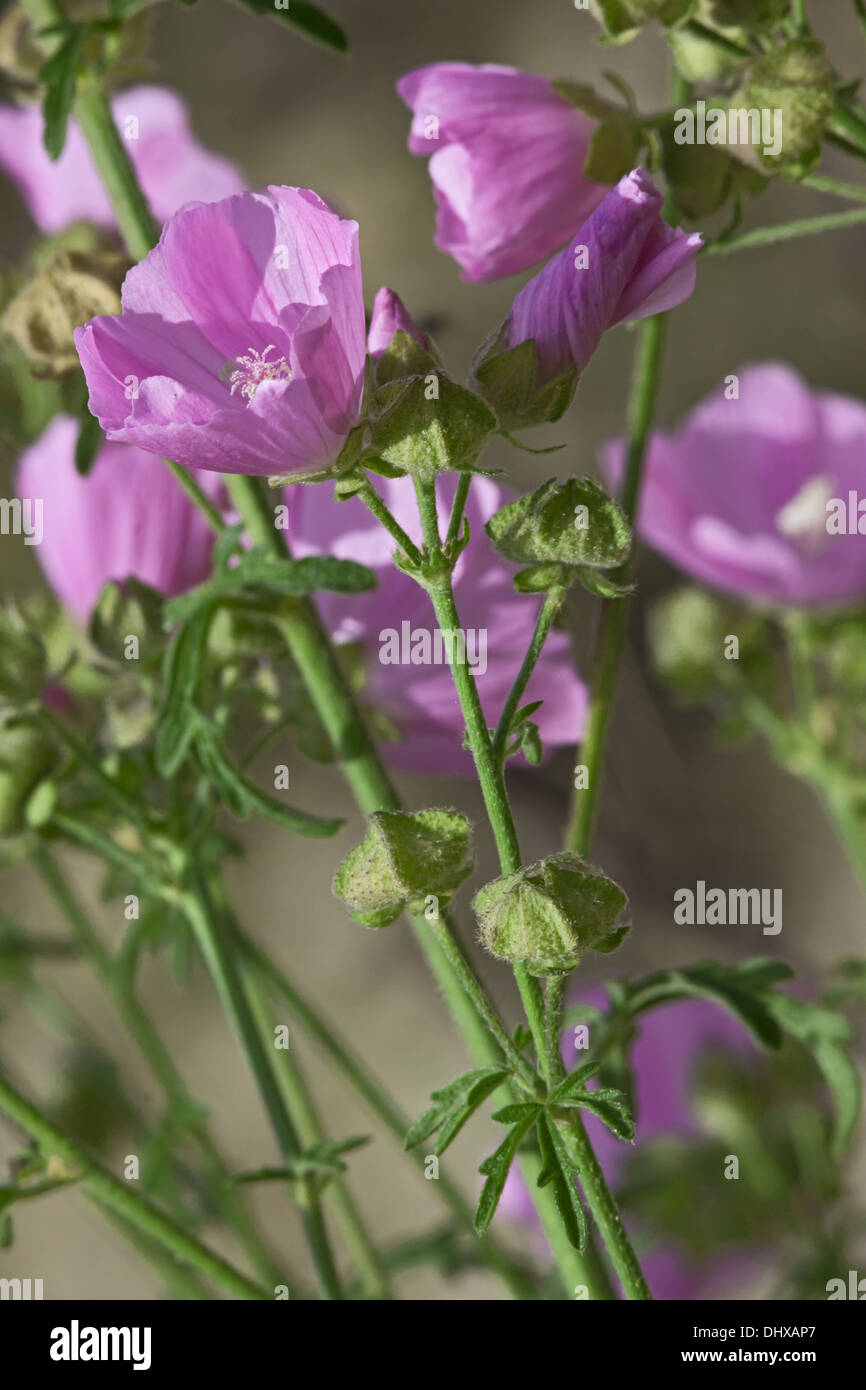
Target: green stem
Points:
(197, 495)
(218, 949)
(641, 409)
(554, 1004)
(371, 499)
(502, 824)
(299, 1104)
(807, 226)
(490, 773)
(552, 603)
(93, 113)
(379, 1102)
(160, 1061)
(314, 656)
(835, 187)
(458, 507)
(603, 1206)
(847, 126)
(110, 1193)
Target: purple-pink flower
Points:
(663, 1056)
(127, 518)
(241, 344)
(750, 494)
(172, 167)
(507, 156)
(392, 620)
(624, 263)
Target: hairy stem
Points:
(220, 953)
(597, 1193)
(119, 1199)
(299, 1103)
(641, 409)
(161, 1063)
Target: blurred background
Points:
(677, 807)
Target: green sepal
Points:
(127, 608)
(404, 858)
(575, 523)
(548, 914)
(418, 432)
(404, 357)
(23, 662)
(508, 377)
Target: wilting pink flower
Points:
(127, 518)
(172, 167)
(624, 263)
(664, 1056)
(507, 164)
(396, 621)
(389, 316)
(241, 343)
(742, 495)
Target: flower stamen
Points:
(254, 368)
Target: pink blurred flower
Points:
(171, 165)
(420, 699)
(241, 344)
(128, 517)
(624, 263)
(507, 163)
(664, 1056)
(737, 496)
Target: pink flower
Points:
(241, 344)
(624, 263)
(419, 698)
(507, 164)
(171, 165)
(741, 495)
(128, 517)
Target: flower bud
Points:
(395, 342)
(798, 82)
(404, 859)
(548, 914)
(623, 18)
(127, 609)
(573, 523)
(22, 661)
(74, 288)
(26, 756)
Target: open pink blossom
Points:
(419, 698)
(172, 167)
(664, 1055)
(241, 343)
(127, 518)
(750, 494)
(624, 263)
(507, 156)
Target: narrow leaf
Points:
(495, 1170)
(308, 19)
